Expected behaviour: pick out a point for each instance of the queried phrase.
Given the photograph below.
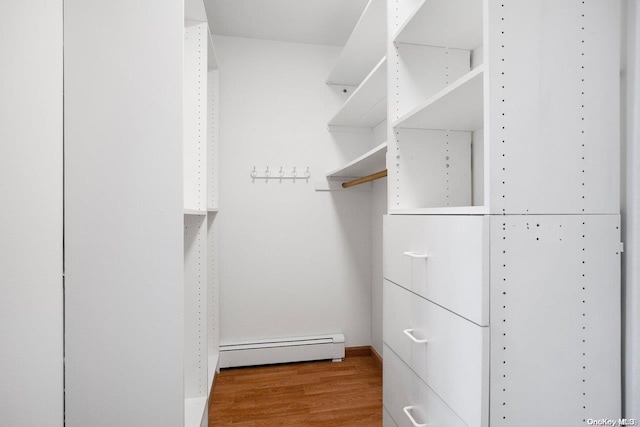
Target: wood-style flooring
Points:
(335, 394)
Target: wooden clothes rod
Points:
(364, 179)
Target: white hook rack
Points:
(280, 175)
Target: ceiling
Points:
(326, 22)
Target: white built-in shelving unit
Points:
(436, 61)
(361, 71)
(200, 161)
(502, 250)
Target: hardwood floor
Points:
(347, 393)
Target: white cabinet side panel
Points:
(31, 372)
(555, 319)
(195, 116)
(477, 168)
(195, 306)
(554, 106)
(213, 279)
(213, 138)
(124, 300)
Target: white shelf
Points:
(195, 212)
(445, 210)
(366, 45)
(194, 409)
(212, 209)
(446, 23)
(370, 162)
(367, 105)
(459, 106)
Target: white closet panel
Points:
(124, 293)
(195, 306)
(195, 79)
(31, 371)
(555, 334)
(553, 104)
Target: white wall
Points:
(631, 207)
(293, 261)
(31, 392)
(124, 298)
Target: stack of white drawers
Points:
(435, 324)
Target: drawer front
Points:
(450, 353)
(406, 395)
(443, 258)
(387, 421)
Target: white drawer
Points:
(405, 395)
(450, 353)
(387, 421)
(443, 258)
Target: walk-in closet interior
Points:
(190, 186)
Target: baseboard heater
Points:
(282, 350)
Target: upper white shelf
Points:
(198, 212)
(456, 107)
(446, 23)
(367, 105)
(366, 45)
(367, 164)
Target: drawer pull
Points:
(417, 255)
(408, 332)
(406, 410)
